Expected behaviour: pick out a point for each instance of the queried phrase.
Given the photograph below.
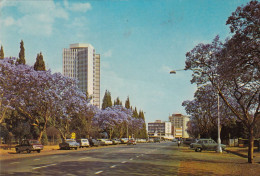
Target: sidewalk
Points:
(212, 163)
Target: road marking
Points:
(123, 162)
(83, 158)
(113, 166)
(137, 156)
(131, 159)
(14, 162)
(98, 172)
(36, 159)
(43, 166)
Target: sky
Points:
(140, 42)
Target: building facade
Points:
(82, 63)
(160, 129)
(179, 123)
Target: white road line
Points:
(14, 162)
(123, 162)
(98, 172)
(131, 159)
(137, 156)
(43, 166)
(113, 166)
(36, 159)
(83, 158)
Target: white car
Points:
(105, 142)
(83, 143)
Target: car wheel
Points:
(198, 149)
(76, 148)
(38, 151)
(28, 151)
(17, 151)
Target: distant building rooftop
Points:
(80, 45)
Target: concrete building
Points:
(82, 63)
(160, 129)
(179, 123)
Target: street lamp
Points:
(219, 149)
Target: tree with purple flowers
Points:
(232, 68)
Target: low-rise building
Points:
(160, 129)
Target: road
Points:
(141, 159)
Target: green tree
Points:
(135, 113)
(39, 65)
(21, 59)
(127, 103)
(2, 55)
(117, 101)
(107, 102)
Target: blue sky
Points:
(140, 42)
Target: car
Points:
(124, 140)
(188, 141)
(116, 141)
(206, 144)
(29, 145)
(156, 140)
(94, 143)
(105, 142)
(131, 142)
(69, 144)
(150, 140)
(83, 143)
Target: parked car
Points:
(83, 143)
(124, 140)
(116, 141)
(188, 141)
(151, 140)
(141, 140)
(94, 143)
(205, 144)
(69, 144)
(131, 142)
(29, 145)
(105, 142)
(156, 140)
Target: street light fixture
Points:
(219, 149)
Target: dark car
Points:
(188, 141)
(156, 140)
(94, 143)
(29, 145)
(69, 144)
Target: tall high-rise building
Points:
(82, 63)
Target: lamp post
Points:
(219, 149)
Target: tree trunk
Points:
(251, 145)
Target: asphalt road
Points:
(141, 159)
